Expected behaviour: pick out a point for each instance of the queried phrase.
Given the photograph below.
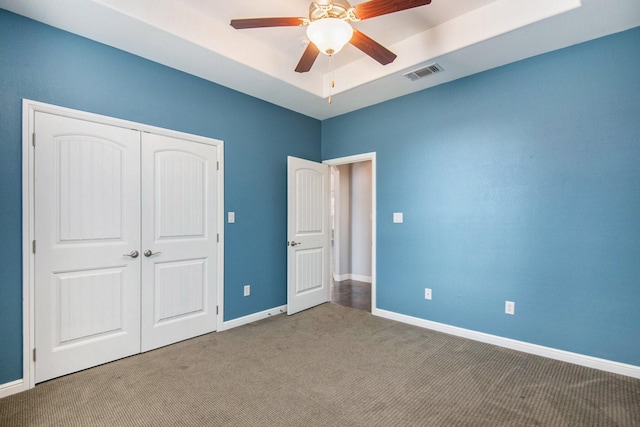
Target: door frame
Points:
(356, 159)
(29, 109)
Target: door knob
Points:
(148, 253)
(132, 254)
(295, 243)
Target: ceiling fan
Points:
(329, 29)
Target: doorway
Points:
(353, 231)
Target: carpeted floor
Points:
(330, 366)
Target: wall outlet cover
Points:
(247, 290)
(427, 293)
(510, 307)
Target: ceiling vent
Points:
(424, 71)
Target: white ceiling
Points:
(463, 36)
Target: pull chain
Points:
(333, 83)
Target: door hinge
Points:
(217, 166)
(218, 237)
(33, 246)
(33, 139)
(216, 309)
(34, 354)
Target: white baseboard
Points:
(13, 387)
(234, 323)
(551, 353)
(349, 276)
(359, 278)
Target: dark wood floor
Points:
(352, 293)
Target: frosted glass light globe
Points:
(329, 34)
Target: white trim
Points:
(360, 278)
(551, 353)
(341, 277)
(28, 227)
(221, 223)
(29, 109)
(363, 158)
(335, 219)
(7, 389)
(230, 324)
(349, 276)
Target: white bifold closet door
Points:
(125, 229)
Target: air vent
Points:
(424, 71)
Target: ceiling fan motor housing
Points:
(333, 9)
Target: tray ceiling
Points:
(463, 36)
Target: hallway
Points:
(351, 293)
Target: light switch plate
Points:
(398, 217)
(510, 307)
(231, 217)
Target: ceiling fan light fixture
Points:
(329, 34)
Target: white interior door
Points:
(179, 243)
(308, 241)
(87, 234)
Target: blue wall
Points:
(44, 64)
(522, 184)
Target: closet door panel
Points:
(87, 223)
(179, 182)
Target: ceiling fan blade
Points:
(375, 8)
(308, 58)
(241, 24)
(372, 48)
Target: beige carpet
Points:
(330, 366)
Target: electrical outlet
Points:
(510, 307)
(427, 293)
(247, 290)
